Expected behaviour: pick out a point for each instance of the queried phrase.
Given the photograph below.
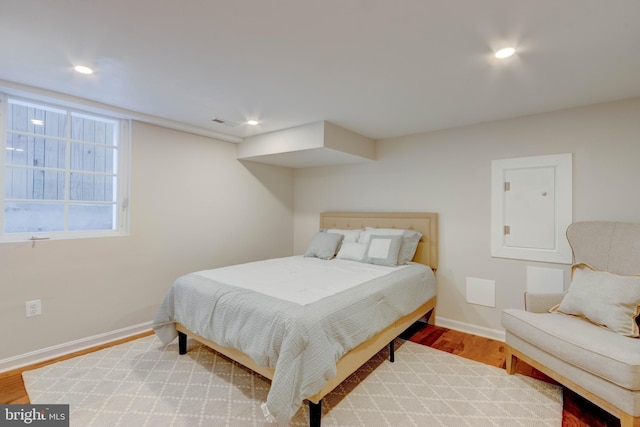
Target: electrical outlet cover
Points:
(33, 308)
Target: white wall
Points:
(193, 206)
(449, 172)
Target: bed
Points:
(307, 345)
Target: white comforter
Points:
(297, 315)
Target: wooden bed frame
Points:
(427, 254)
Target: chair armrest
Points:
(541, 303)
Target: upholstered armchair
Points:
(589, 342)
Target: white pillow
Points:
(348, 235)
(352, 251)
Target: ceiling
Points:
(381, 68)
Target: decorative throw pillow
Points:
(324, 245)
(383, 250)
(410, 240)
(352, 251)
(604, 298)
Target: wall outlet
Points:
(33, 308)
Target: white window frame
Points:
(121, 227)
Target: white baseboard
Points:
(49, 353)
(469, 328)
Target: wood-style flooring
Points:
(577, 412)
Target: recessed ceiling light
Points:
(252, 122)
(505, 52)
(83, 70)
(37, 122)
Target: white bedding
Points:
(297, 279)
(301, 341)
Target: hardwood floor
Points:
(577, 412)
(12, 389)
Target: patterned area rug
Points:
(141, 383)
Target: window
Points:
(65, 172)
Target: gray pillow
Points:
(604, 298)
(410, 240)
(324, 245)
(383, 250)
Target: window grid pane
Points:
(33, 217)
(92, 187)
(91, 217)
(92, 129)
(33, 184)
(33, 151)
(93, 158)
(36, 119)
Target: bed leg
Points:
(315, 413)
(430, 317)
(392, 345)
(182, 343)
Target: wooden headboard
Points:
(423, 222)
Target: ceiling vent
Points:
(225, 122)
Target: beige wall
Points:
(193, 206)
(449, 172)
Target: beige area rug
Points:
(142, 383)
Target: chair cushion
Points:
(592, 348)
